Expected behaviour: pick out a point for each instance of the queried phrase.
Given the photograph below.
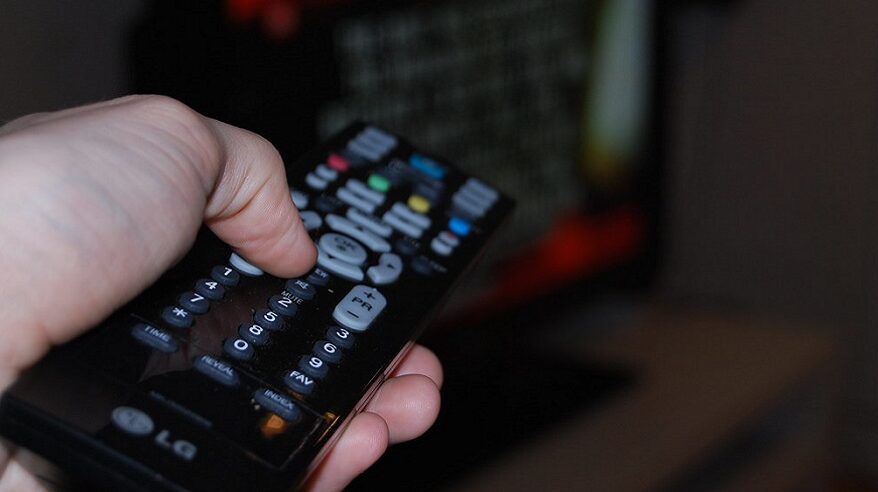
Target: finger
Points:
(250, 207)
(358, 448)
(421, 360)
(409, 404)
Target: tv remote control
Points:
(222, 377)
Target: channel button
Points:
(359, 308)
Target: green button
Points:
(379, 183)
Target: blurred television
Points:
(552, 100)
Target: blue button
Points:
(427, 166)
(459, 226)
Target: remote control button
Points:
(380, 136)
(387, 270)
(210, 289)
(278, 404)
(216, 369)
(153, 337)
(177, 317)
(318, 277)
(407, 246)
(313, 366)
(466, 207)
(299, 382)
(337, 163)
(311, 220)
(300, 200)
(370, 222)
(243, 266)
(365, 150)
(225, 275)
(193, 302)
(427, 166)
(419, 204)
(482, 189)
(422, 265)
(268, 319)
(459, 226)
(410, 215)
(440, 248)
(327, 351)
(359, 308)
(479, 200)
(326, 173)
(254, 334)
(340, 268)
(354, 200)
(327, 204)
(401, 224)
(430, 190)
(316, 182)
(364, 191)
(301, 289)
(283, 305)
(378, 183)
(132, 421)
(344, 226)
(449, 239)
(239, 349)
(340, 337)
(343, 248)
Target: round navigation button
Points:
(343, 248)
(132, 421)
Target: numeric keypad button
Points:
(195, 303)
(299, 382)
(254, 334)
(268, 319)
(225, 275)
(301, 289)
(313, 366)
(283, 305)
(238, 348)
(340, 337)
(327, 351)
(210, 289)
(177, 317)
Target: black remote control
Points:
(221, 377)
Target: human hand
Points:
(99, 200)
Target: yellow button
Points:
(419, 204)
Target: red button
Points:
(337, 162)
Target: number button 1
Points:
(225, 275)
(210, 289)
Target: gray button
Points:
(449, 238)
(315, 181)
(482, 189)
(359, 308)
(364, 150)
(326, 173)
(467, 207)
(243, 266)
(404, 211)
(401, 224)
(343, 248)
(440, 248)
(216, 369)
(370, 222)
(364, 191)
(379, 135)
(345, 226)
(132, 421)
(278, 404)
(154, 337)
(300, 200)
(387, 270)
(353, 199)
(310, 219)
(475, 197)
(340, 268)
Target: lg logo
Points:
(137, 423)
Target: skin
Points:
(98, 201)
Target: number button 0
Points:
(210, 289)
(238, 348)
